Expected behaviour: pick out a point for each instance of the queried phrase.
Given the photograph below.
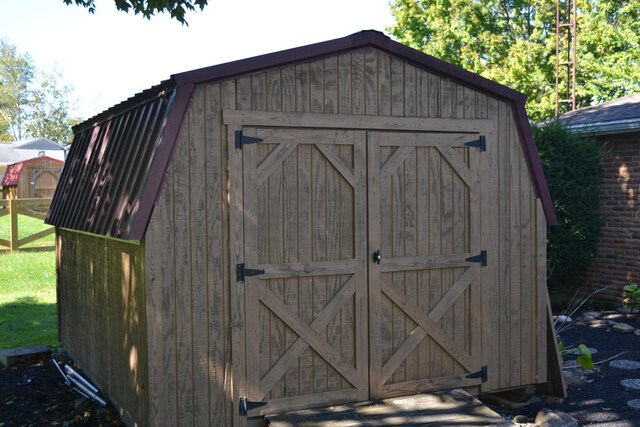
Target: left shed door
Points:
(304, 213)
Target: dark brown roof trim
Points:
(533, 161)
(355, 41)
(166, 148)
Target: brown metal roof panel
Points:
(12, 174)
(109, 167)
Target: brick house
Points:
(616, 125)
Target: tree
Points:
(148, 8)
(16, 75)
(48, 116)
(32, 103)
(513, 43)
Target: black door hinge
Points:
(478, 143)
(482, 374)
(246, 405)
(242, 272)
(482, 258)
(241, 139)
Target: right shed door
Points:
(424, 290)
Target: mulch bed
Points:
(36, 394)
(596, 398)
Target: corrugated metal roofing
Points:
(14, 171)
(12, 174)
(112, 166)
(118, 159)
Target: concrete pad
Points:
(451, 407)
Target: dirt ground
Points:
(36, 395)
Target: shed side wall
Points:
(189, 300)
(187, 253)
(102, 321)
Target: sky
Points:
(110, 56)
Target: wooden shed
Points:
(339, 222)
(32, 178)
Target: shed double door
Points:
(360, 265)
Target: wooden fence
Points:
(34, 208)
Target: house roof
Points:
(41, 144)
(14, 171)
(621, 115)
(117, 163)
(12, 152)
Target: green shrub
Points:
(571, 163)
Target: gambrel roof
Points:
(14, 171)
(118, 160)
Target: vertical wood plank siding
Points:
(102, 319)
(187, 243)
(152, 322)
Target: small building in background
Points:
(13, 154)
(616, 125)
(32, 178)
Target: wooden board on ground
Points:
(30, 353)
(429, 409)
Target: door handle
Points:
(377, 256)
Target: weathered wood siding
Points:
(102, 321)
(188, 275)
(188, 241)
(46, 173)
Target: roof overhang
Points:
(607, 128)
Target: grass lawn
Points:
(27, 291)
(26, 227)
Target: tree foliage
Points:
(572, 168)
(32, 103)
(48, 115)
(148, 8)
(513, 42)
(16, 74)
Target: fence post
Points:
(13, 221)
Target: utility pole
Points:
(566, 58)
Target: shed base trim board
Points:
(344, 121)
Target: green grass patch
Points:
(28, 299)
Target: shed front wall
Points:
(44, 174)
(101, 315)
(190, 248)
